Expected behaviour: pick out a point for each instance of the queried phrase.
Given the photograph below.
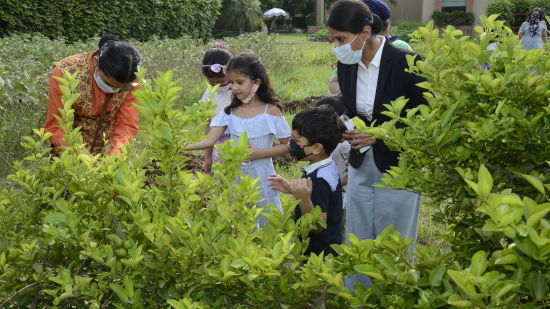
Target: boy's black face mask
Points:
(297, 151)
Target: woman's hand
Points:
(359, 140)
(278, 183)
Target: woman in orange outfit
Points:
(104, 110)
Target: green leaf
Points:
(538, 283)
(479, 263)
(166, 133)
(485, 182)
(437, 274)
(55, 218)
(359, 124)
(535, 218)
(457, 301)
(176, 304)
(369, 270)
(506, 287)
(462, 282)
(535, 182)
(387, 262)
(120, 292)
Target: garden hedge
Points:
(456, 18)
(141, 20)
(508, 8)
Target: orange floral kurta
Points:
(117, 126)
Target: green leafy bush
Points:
(501, 7)
(141, 20)
(455, 18)
(543, 4)
(24, 78)
(405, 28)
(521, 6)
(477, 120)
(507, 8)
(321, 35)
(240, 15)
(24, 88)
(138, 230)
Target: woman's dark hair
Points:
(334, 102)
(119, 60)
(352, 16)
(250, 65)
(215, 56)
(385, 25)
(541, 13)
(106, 38)
(320, 125)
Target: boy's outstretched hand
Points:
(278, 183)
(302, 188)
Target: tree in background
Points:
(515, 12)
(240, 15)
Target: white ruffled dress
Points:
(261, 130)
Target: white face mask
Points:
(346, 55)
(103, 86)
(252, 93)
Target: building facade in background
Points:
(422, 10)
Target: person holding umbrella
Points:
(273, 13)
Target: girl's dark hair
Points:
(352, 16)
(541, 13)
(106, 38)
(334, 102)
(320, 125)
(215, 56)
(119, 60)
(250, 65)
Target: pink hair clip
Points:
(219, 45)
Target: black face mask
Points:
(297, 151)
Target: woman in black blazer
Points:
(371, 73)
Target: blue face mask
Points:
(103, 86)
(346, 55)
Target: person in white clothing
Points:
(214, 65)
(255, 110)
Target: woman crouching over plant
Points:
(104, 110)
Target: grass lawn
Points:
(310, 76)
(291, 37)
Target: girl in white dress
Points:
(255, 109)
(214, 65)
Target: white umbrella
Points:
(275, 12)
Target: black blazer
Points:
(393, 82)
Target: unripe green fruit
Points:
(118, 242)
(121, 252)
